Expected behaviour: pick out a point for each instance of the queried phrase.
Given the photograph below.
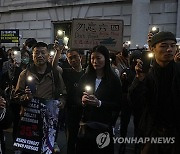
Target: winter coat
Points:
(148, 93)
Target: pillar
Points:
(139, 22)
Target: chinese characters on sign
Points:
(87, 33)
(9, 36)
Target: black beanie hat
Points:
(162, 36)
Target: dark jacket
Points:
(48, 85)
(109, 93)
(159, 94)
(71, 79)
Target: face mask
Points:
(29, 49)
(25, 60)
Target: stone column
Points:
(139, 22)
(178, 20)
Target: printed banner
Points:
(9, 36)
(37, 127)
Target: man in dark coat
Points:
(158, 90)
(73, 110)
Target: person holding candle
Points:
(100, 94)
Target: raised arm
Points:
(58, 50)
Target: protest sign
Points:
(38, 126)
(9, 36)
(87, 33)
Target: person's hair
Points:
(50, 47)
(125, 52)
(40, 44)
(3, 54)
(71, 50)
(30, 42)
(162, 36)
(113, 58)
(107, 68)
(23, 51)
(9, 52)
(15, 48)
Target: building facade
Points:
(40, 18)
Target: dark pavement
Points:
(62, 140)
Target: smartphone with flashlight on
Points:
(30, 83)
(154, 30)
(17, 57)
(146, 58)
(60, 37)
(88, 89)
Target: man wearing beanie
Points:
(159, 91)
(162, 36)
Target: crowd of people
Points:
(112, 85)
